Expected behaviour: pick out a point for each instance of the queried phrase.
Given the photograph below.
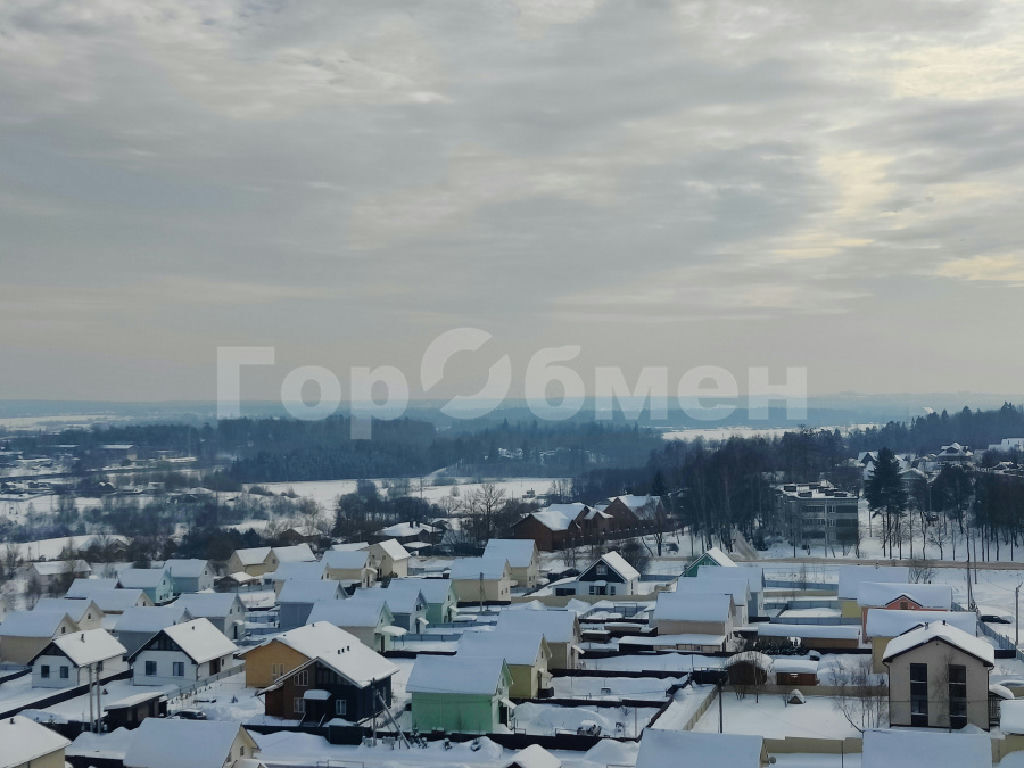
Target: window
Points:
(63, 673)
(340, 707)
(957, 695)
(300, 705)
(919, 694)
(601, 569)
(178, 668)
(150, 669)
(99, 666)
(44, 670)
(302, 678)
(277, 669)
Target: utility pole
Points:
(1016, 613)
(719, 706)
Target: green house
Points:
(713, 557)
(455, 694)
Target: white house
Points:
(188, 576)
(155, 582)
(389, 558)
(67, 660)
(182, 654)
(611, 575)
(224, 609)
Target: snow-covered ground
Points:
(538, 718)
(771, 717)
(642, 688)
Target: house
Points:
(818, 513)
(390, 559)
(84, 587)
(175, 743)
(155, 582)
(522, 559)
(954, 454)
(302, 571)
(409, 533)
(367, 618)
(738, 587)
(298, 597)
(25, 633)
(611, 575)
(27, 744)
(224, 609)
(698, 622)
(297, 553)
(139, 623)
(795, 672)
(349, 566)
(561, 630)
(253, 561)
(116, 601)
(406, 601)
(939, 677)
(190, 576)
(713, 558)
(924, 749)
(85, 613)
(182, 654)
(341, 677)
(902, 597)
(49, 573)
(661, 748)
(526, 653)
(883, 625)
(726, 577)
(482, 580)
(852, 576)
(552, 527)
(440, 597)
(74, 659)
(458, 694)
(631, 512)
(812, 637)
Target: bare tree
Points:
(921, 572)
(863, 703)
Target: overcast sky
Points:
(834, 185)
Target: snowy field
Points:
(547, 719)
(771, 717)
(642, 688)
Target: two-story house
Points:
(182, 654)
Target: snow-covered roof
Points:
(852, 576)
(57, 567)
(209, 605)
(472, 567)
(400, 594)
(116, 600)
(200, 640)
(172, 742)
(354, 612)
(405, 529)
(522, 647)
(738, 587)
(393, 549)
(309, 591)
(937, 596)
(252, 555)
(677, 606)
(346, 559)
(141, 578)
(796, 666)
(519, 552)
(925, 749)
(340, 650)
(672, 641)
(557, 626)
(26, 740)
(294, 553)
(352, 546)
(661, 748)
(85, 587)
(937, 630)
(150, 618)
(635, 502)
(755, 658)
(434, 590)
(1001, 691)
(89, 646)
(297, 569)
(558, 517)
(455, 674)
(76, 609)
(1011, 717)
(617, 563)
(32, 623)
(820, 631)
(186, 569)
(887, 623)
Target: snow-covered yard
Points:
(642, 688)
(770, 716)
(536, 718)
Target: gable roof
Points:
(887, 623)
(57, 567)
(76, 609)
(718, 556)
(199, 639)
(252, 555)
(925, 749)
(346, 559)
(472, 567)
(433, 590)
(618, 563)
(400, 595)
(88, 647)
(456, 674)
(660, 748)
(753, 575)
(33, 623)
(306, 570)
(937, 596)
(937, 630)
(393, 549)
(404, 529)
(677, 606)
(186, 569)
(852, 576)
(522, 647)
(117, 600)
(340, 650)
(26, 740)
(738, 587)
(171, 742)
(355, 612)
(294, 553)
(635, 502)
(209, 605)
(307, 591)
(141, 578)
(557, 626)
(82, 587)
(520, 553)
(150, 618)
(558, 517)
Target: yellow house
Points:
(349, 565)
(481, 579)
(26, 633)
(25, 743)
(526, 654)
(389, 558)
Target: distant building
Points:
(298, 597)
(712, 558)
(561, 631)
(611, 575)
(818, 513)
(954, 454)
(155, 582)
(190, 576)
(522, 558)
(526, 653)
(389, 558)
(552, 527)
(482, 580)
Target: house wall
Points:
(260, 661)
(164, 669)
(365, 576)
(292, 615)
(455, 713)
(525, 577)
(896, 605)
(52, 760)
(361, 703)
(938, 655)
(20, 650)
(563, 656)
(673, 627)
(132, 641)
(371, 638)
(440, 613)
(495, 590)
(76, 675)
(531, 528)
